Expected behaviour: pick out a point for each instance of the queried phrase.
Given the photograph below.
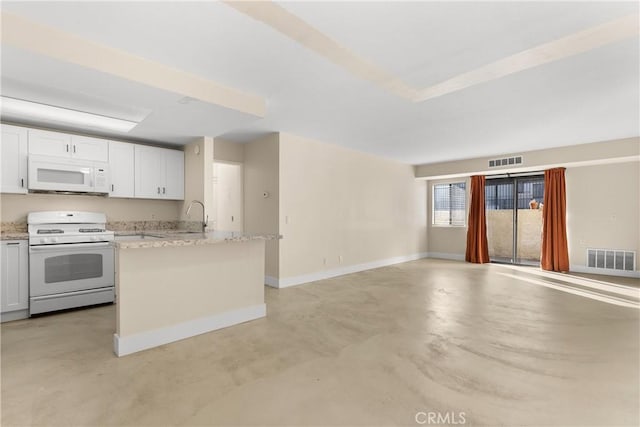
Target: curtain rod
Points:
(514, 175)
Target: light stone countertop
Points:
(14, 235)
(167, 238)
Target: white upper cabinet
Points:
(121, 167)
(86, 148)
(49, 143)
(174, 173)
(148, 172)
(159, 173)
(13, 159)
(60, 144)
(137, 171)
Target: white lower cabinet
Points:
(14, 283)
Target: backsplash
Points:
(21, 227)
(13, 227)
(152, 225)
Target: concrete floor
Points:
(460, 341)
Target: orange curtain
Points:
(555, 253)
(477, 246)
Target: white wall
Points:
(341, 208)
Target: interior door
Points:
(514, 218)
(228, 196)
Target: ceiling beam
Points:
(64, 46)
(285, 22)
(573, 44)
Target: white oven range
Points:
(71, 260)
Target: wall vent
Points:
(507, 161)
(611, 259)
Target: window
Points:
(449, 204)
(498, 192)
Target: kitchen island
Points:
(175, 285)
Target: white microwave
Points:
(48, 173)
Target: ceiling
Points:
(336, 72)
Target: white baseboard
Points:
(14, 315)
(603, 271)
(327, 274)
(271, 281)
(444, 255)
(145, 340)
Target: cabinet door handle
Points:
(158, 190)
(231, 218)
(67, 148)
(112, 187)
(22, 182)
(13, 244)
(74, 148)
(164, 190)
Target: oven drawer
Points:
(44, 304)
(56, 269)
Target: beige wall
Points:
(233, 270)
(449, 242)
(536, 160)
(227, 151)
(15, 207)
(602, 200)
(261, 163)
(336, 202)
(603, 209)
(198, 178)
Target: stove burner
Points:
(91, 230)
(53, 231)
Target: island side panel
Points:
(162, 287)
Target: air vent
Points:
(611, 259)
(507, 161)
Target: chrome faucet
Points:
(205, 218)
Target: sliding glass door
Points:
(514, 218)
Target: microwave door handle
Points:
(89, 175)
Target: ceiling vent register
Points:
(611, 259)
(507, 161)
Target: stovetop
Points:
(62, 227)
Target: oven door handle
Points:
(71, 246)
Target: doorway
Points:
(514, 218)
(227, 196)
